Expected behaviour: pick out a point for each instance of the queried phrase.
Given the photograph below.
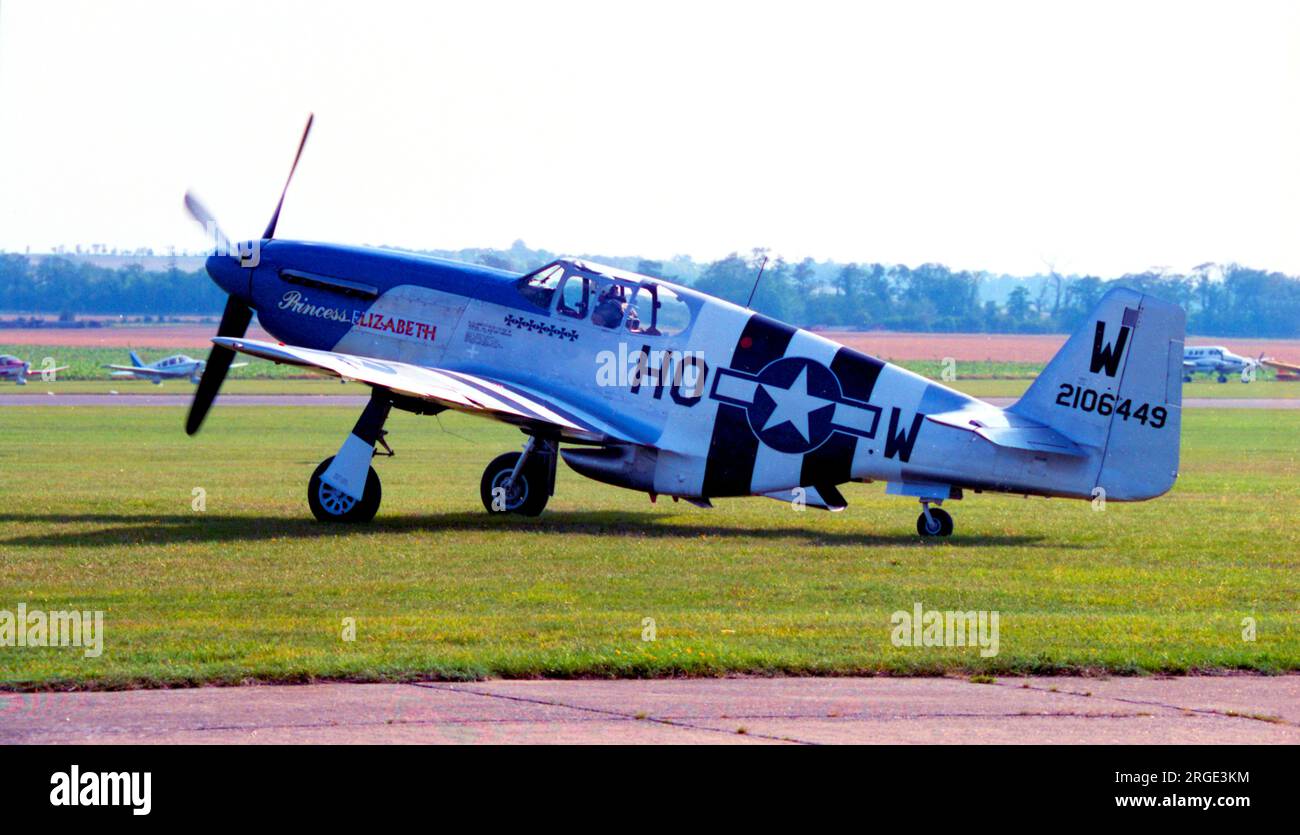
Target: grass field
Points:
(95, 513)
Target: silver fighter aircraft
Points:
(658, 388)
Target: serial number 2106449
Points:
(1105, 403)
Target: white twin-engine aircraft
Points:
(1217, 360)
(648, 385)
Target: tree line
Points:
(1223, 300)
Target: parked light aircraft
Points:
(1215, 359)
(174, 367)
(645, 384)
(18, 370)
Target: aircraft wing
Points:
(1283, 366)
(139, 369)
(472, 393)
(33, 371)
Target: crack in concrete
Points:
(1209, 711)
(633, 717)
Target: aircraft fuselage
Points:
(732, 404)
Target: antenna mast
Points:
(757, 279)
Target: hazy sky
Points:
(1102, 137)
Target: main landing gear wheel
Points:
(525, 495)
(331, 505)
(939, 523)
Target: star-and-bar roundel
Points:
(794, 404)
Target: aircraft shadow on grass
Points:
(169, 529)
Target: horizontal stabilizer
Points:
(1006, 430)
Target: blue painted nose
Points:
(230, 275)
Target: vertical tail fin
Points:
(136, 361)
(1116, 387)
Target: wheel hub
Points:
(335, 501)
(516, 489)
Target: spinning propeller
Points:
(237, 315)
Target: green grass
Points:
(95, 513)
(974, 369)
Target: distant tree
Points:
(729, 278)
(804, 275)
(495, 260)
(1018, 306)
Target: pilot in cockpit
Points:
(610, 307)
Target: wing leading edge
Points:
(471, 393)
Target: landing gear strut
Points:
(520, 482)
(344, 487)
(933, 521)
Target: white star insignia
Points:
(792, 405)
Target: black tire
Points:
(941, 517)
(329, 505)
(1222, 379)
(529, 492)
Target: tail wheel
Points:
(526, 495)
(331, 505)
(939, 523)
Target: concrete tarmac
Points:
(1210, 709)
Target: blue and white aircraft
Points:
(641, 383)
(177, 366)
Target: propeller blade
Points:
(275, 218)
(234, 322)
(204, 218)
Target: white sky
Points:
(1102, 137)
